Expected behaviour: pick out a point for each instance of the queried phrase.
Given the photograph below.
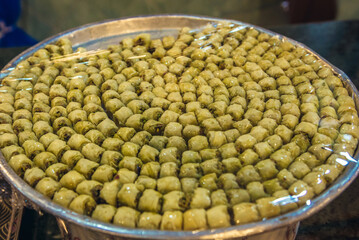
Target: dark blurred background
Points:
(43, 18)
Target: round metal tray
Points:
(100, 35)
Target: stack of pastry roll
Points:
(222, 126)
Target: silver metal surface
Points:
(99, 35)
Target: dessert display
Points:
(219, 126)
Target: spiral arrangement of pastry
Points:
(219, 126)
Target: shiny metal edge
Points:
(317, 203)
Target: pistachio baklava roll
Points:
(129, 194)
(150, 201)
(104, 213)
(83, 204)
(48, 186)
(64, 197)
(172, 220)
(126, 217)
(86, 167)
(149, 220)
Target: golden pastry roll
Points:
(158, 142)
(8, 139)
(26, 135)
(219, 197)
(107, 127)
(86, 167)
(23, 104)
(33, 175)
(272, 185)
(172, 220)
(190, 170)
(150, 201)
(256, 190)
(201, 198)
(97, 117)
(71, 157)
(44, 159)
(198, 143)
(131, 163)
(95, 136)
(65, 133)
(174, 201)
(149, 220)
(7, 108)
(151, 169)
(61, 122)
(75, 95)
(207, 154)
(71, 179)
(148, 154)
(227, 181)
(170, 154)
(130, 149)
(285, 201)
(266, 169)
(316, 180)
(245, 213)
(90, 187)
(104, 173)
(41, 128)
(92, 152)
(194, 219)
(282, 158)
(168, 184)
(5, 118)
(58, 148)
(177, 142)
(64, 197)
(113, 144)
(329, 172)
(211, 166)
(247, 174)
(6, 128)
(141, 138)
(169, 169)
(122, 115)
(48, 186)
(218, 217)
(111, 158)
(83, 204)
(299, 169)
(190, 157)
(130, 194)
(301, 191)
(244, 142)
(126, 176)
(209, 182)
(57, 112)
(268, 207)
(20, 163)
(11, 150)
(104, 213)
(126, 217)
(56, 171)
(189, 184)
(147, 182)
(228, 150)
(82, 127)
(57, 90)
(109, 192)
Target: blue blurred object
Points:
(10, 34)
